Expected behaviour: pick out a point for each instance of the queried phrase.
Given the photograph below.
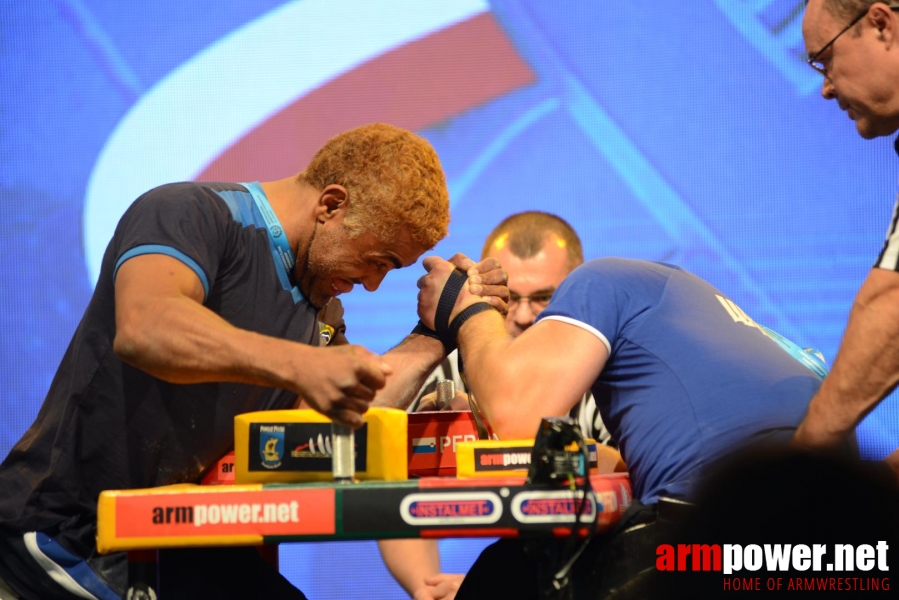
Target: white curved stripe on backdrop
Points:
(215, 98)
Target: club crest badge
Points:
(326, 332)
(271, 445)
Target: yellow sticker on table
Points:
(500, 458)
(288, 446)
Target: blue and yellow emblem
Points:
(326, 332)
(271, 445)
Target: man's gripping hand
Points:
(486, 279)
(442, 586)
(430, 287)
(342, 382)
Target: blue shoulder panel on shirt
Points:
(168, 251)
(242, 207)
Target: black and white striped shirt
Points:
(585, 412)
(889, 256)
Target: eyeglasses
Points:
(816, 64)
(536, 302)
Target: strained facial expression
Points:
(336, 263)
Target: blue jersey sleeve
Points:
(603, 296)
(184, 221)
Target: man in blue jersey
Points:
(216, 299)
(681, 376)
(537, 251)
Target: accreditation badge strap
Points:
(273, 224)
(810, 357)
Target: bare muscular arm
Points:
(163, 328)
(543, 372)
(866, 368)
(417, 355)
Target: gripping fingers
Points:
(430, 262)
(350, 408)
(371, 376)
(462, 262)
(491, 271)
(357, 405)
(496, 295)
(368, 355)
(370, 368)
(360, 393)
(346, 417)
(488, 279)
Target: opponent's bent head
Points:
(524, 234)
(537, 250)
(394, 182)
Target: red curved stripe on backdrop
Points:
(414, 86)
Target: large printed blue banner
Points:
(692, 133)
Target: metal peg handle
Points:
(343, 459)
(446, 391)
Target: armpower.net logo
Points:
(226, 513)
(759, 567)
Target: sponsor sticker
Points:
(200, 514)
(557, 506)
(452, 508)
(300, 447)
(513, 458)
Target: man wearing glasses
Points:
(854, 44)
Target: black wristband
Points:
(448, 344)
(466, 314)
(447, 301)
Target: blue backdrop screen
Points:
(697, 137)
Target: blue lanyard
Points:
(810, 357)
(274, 226)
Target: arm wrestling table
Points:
(144, 520)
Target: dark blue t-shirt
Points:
(689, 376)
(107, 425)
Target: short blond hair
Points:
(526, 233)
(394, 180)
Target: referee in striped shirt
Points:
(854, 45)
